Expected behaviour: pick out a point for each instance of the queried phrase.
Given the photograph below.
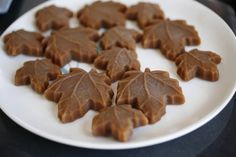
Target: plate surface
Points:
(204, 100)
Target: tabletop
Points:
(216, 138)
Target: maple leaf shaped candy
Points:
(121, 37)
(52, 17)
(118, 121)
(117, 61)
(170, 37)
(38, 73)
(102, 14)
(25, 42)
(72, 43)
(145, 13)
(198, 63)
(79, 91)
(149, 92)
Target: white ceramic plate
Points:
(204, 100)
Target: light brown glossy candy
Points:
(170, 36)
(197, 63)
(120, 37)
(23, 42)
(118, 121)
(149, 91)
(52, 17)
(37, 73)
(79, 91)
(116, 61)
(145, 13)
(72, 44)
(102, 14)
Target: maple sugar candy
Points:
(37, 73)
(145, 13)
(118, 121)
(149, 91)
(170, 36)
(120, 37)
(116, 61)
(52, 17)
(79, 91)
(102, 14)
(23, 42)
(197, 63)
(68, 44)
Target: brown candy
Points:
(170, 37)
(121, 37)
(198, 63)
(117, 61)
(79, 91)
(52, 17)
(72, 43)
(38, 73)
(145, 13)
(149, 92)
(118, 121)
(102, 14)
(25, 42)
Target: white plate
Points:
(204, 100)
